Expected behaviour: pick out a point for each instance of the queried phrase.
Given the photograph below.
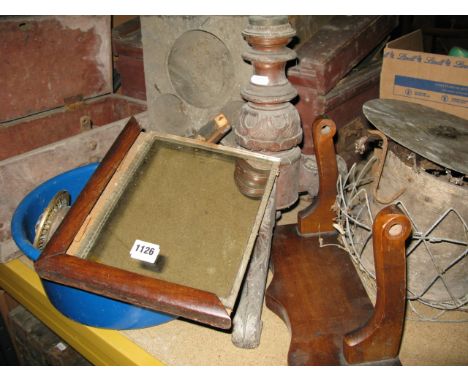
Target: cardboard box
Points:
(434, 80)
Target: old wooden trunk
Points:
(324, 76)
(57, 110)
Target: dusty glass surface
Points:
(185, 200)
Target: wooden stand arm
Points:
(319, 216)
(380, 338)
(316, 290)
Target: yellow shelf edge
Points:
(99, 346)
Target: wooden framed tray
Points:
(155, 192)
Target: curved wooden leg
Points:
(380, 338)
(319, 216)
(247, 323)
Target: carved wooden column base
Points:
(268, 122)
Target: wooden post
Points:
(247, 321)
(270, 124)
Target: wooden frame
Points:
(56, 264)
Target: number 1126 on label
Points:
(144, 251)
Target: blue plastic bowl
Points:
(84, 307)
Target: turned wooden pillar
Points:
(268, 122)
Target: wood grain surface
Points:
(317, 293)
(319, 216)
(316, 290)
(381, 337)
